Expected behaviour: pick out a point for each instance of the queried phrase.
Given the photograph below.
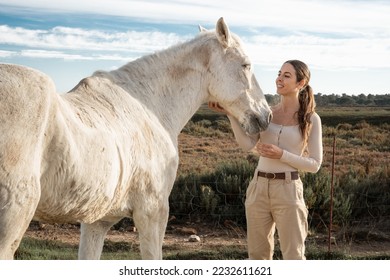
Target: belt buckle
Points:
(271, 178)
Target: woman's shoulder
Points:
(315, 118)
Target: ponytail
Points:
(306, 110)
(306, 99)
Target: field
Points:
(362, 156)
(207, 140)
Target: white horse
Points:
(108, 149)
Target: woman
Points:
(291, 143)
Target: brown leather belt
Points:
(280, 176)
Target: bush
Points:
(370, 194)
(217, 195)
(316, 190)
(207, 128)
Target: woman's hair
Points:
(306, 98)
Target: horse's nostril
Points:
(270, 117)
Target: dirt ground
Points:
(223, 236)
(177, 234)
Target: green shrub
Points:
(220, 194)
(216, 195)
(316, 190)
(370, 193)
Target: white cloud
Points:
(322, 53)
(4, 54)
(305, 20)
(51, 54)
(70, 56)
(81, 44)
(342, 16)
(265, 49)
(79, 39)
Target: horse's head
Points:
(233, 84)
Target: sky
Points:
(345, 43)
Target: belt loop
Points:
(288, 177)
(257, 175)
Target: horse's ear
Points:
(223, 33)
(202, 29)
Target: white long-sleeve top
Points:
(290, 140)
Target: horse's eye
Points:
(246, 66)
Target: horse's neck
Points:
(169, 84)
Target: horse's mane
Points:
(133, 70)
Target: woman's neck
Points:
(289, 104)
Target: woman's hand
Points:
(218, 108)
(269, 150)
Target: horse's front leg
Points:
(151, 230)
(92, 239)
(18, 201)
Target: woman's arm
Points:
(245, 141)
(313, 162)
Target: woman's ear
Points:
(301, 84)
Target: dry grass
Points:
(364, 149)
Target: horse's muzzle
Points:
(258, 122)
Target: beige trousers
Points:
(276, 203)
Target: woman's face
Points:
(286, 82)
